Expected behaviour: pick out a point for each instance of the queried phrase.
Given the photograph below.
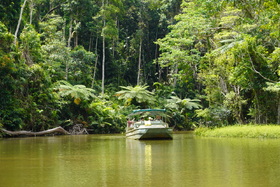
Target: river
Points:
(113, 160)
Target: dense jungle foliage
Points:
(213, 63)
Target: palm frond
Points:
(139, 93)
(77, 92)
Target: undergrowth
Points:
(242, 131)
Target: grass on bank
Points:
(241, 131)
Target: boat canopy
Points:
(141, 111)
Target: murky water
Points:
(112, 160)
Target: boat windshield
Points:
(148, 111)
(148, 115)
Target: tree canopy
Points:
(207, 62)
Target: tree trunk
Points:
(90, 41)
(29, 133)
(175, 77)
(103, 64)
(103, 53)
(68, 45)
(70, 32)
(19, 21)
(31, 11)
(139, 62)
(258, 113)
(96, 61)
(156, 58)
(76, 41)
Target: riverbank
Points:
(241, 131)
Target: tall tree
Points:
(109, 11)
(103, 49)
(181, 49)
(19, 20)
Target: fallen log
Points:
(30, 133)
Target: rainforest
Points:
(91, 62)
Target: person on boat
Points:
(130, 123)
(158, 118)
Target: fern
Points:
(77, 92)
(139, 93)
(175, 103)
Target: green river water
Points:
(113, 160)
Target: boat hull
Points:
(149, 133)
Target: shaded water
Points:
(112, 160)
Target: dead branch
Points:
(30, 133)
(78, 129)
(50, 11)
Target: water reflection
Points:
(148, 162)
(112, 160)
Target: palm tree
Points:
(77, 92)
(175, 103)
(138, 95)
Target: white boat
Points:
(149, 125)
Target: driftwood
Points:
(78, 129)
(29, 133)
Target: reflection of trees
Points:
(148, 164)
